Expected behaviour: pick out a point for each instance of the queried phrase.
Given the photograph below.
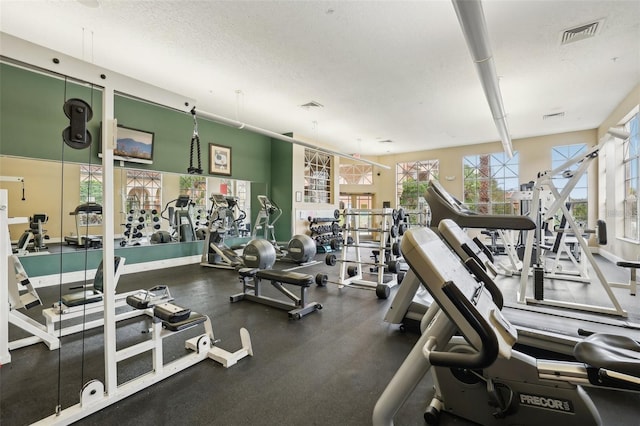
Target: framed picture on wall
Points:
(219, 160)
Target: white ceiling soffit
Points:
(388, 70)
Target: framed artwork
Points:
(219, 160)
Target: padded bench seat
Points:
(287, 277)
(632, 285)
(251, 279)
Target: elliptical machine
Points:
(215, 252)
(301, 249)
(179, 217)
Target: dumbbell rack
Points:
(326, 232)
(139, 225)
(352, 275)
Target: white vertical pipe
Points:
(5, 251)
(108, 204)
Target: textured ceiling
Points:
(382, 69)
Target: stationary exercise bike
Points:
(33, 239)
(477, 373)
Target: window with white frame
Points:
(489, 181)
(356, 174)
(317, 176)
(412, 180)
(90, 184)
(144, 190)
(631, 160)
(196, 188)
(578, 196)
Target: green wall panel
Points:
(50, 264)
(282, 186)
(31, 125)
(32, 121)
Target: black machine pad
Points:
(190, 321)
(171, 313)
(629, 264)
(81, 298)
(295, 278)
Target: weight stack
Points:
(538, 283)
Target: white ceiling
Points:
(397, 70)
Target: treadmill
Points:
(87, 215)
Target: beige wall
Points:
(534, 153)
(42, 192)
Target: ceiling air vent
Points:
(386, 141)
(312, 104)
(581, 32)
(554, 116)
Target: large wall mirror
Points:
(145, 201)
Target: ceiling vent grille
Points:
(581, 32)
(312, 104)
(386, 141)
(553, 116)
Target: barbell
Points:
(393, 230)
(332, 259)
(600, 231)
(382, 290)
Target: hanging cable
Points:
(195, 141)
(86, 242)
(75, 136)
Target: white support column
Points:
(110, 363)
(5, 251)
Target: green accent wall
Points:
(50, 264)
(282, 186)
(32, 121)
(31, 125)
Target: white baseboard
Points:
(76, 276)
(608, 255)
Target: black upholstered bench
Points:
(251, 279)
(633, 281)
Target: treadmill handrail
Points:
(444, 206)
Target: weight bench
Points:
(633, 281)
(251, 279)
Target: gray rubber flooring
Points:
(327, 369)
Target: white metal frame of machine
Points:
(545, 182)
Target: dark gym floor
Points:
(327, 369)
